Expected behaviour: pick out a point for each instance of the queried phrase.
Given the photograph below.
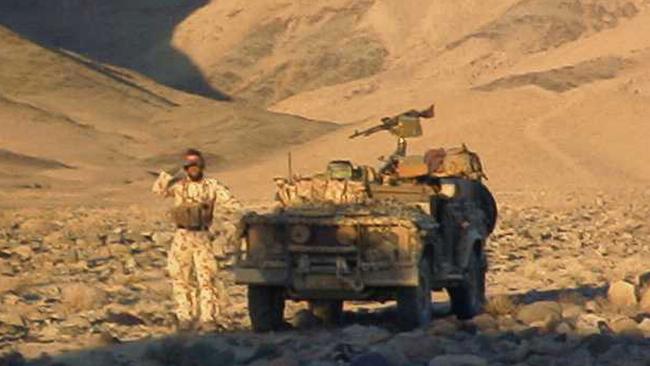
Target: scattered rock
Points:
(644, 281)
(360, 335)
(38, 226)
(458, 360)
(644, 304)
(442, 327)
(162, 238)
(589, 324)
(485, 322)
(572, 311)
(305, 319)
(598, 344)
(622, 294)
(545, 312)
(12, 318)
(204, 353)
(625, 326)
(391, 353)
(548, 346)
(80, 296)
(370, 359)
(24, 252)
(49, 333)
(124, 318)
(416, 346)
(118, 250)
(564, 328)
(592, 306)
(13, 359)
(644, 326)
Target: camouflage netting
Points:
(305, 190)
(368, 212)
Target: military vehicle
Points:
(417, 224)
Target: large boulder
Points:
(622, 294)
(625, 326)
(645, 327)
(540, 312)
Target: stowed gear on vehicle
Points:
(418, 224)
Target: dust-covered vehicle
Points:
(418, 224)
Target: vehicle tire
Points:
(328, 311)
(414, 303)
(266, 307)
(489, 206)
(468, 298)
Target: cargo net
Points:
(319, 191)
(454, 162)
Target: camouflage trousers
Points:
(194, 272)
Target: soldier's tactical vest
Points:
(193, 216)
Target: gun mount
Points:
(404, 126)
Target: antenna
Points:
(289, 163)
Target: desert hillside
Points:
(71, 125)
(552, 94)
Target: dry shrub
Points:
(501, 305)
(81, 296)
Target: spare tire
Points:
(476, 191)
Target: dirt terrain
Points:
(565, 287)
(96, 95)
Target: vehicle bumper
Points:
(403, 276)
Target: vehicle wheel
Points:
(468, 298)
(328, 311)
(266, 307)
(414, 303)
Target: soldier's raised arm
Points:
(164, 184)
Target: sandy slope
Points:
(71, 125)
(555, 108)
(552, 94)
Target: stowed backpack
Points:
(454, 162)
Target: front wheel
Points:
(414, 303)
(266, 307)
(468, 298)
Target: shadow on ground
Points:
(370, 339)
(131, 34)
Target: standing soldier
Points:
(191, 261)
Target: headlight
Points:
(299, 234)
(346, 235)
(448, 190)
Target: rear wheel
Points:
(414, 303)
(468, 298)
(266, 307)
(328, 311)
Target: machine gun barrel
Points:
(386, 124)
(392, 123)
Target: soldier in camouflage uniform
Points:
(191, 260)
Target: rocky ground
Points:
(88, 286)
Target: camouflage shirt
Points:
(207, 190)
